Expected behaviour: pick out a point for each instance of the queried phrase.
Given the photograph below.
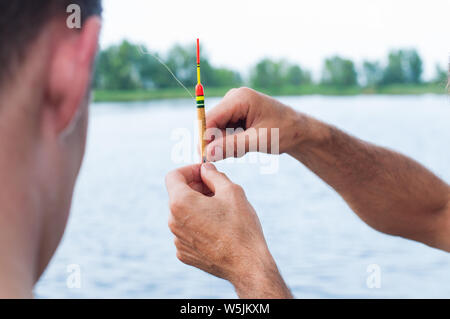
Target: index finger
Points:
(231, 109)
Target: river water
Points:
(118, 241)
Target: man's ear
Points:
(71, 71)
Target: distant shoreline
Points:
(174, 93)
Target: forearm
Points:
(389, 191)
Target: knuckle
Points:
(181, 257)
(176, 205)
(231, 92)
(228, 188)
(221, 175)
(244, 91)
(181, 202)
(169, 176)
(172, 225)
(233, 189)
(237, 189)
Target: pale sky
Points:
(236, 33)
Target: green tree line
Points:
(128, 66)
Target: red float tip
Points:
(198, 51)
(199, 90)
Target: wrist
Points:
(260, 279)
(306, 132)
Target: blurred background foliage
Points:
(124, 67)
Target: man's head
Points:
(22, 21)
(45, 74)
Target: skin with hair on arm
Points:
(389, 191)
(217, 230)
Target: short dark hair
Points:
(21, 21)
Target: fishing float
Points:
(200, 99)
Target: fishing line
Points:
(168, 69)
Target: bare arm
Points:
(389, 191)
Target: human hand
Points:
(217, 230)
(254, 112)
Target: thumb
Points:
(213, 178)
(232, 145)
